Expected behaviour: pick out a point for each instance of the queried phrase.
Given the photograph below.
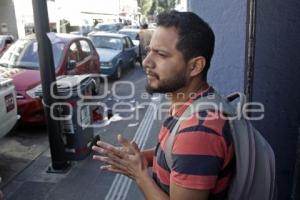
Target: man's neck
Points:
(181, 96)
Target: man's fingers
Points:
(105, 148)
(99, 149)
(105, 145)
(112, 160)
(123, 141)
(135, 146)
(111, 168)
(127, 144)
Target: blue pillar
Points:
(276, 68)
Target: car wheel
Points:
(118, 73)
(132, 63)
(140, 60)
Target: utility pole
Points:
(47, 72)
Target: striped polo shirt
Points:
(203, 155)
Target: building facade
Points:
(8, 23)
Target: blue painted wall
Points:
(276, 69)
(228, 20)
(276, 76)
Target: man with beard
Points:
(203, 159)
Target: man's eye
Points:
(161, 54)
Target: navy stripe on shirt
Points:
(202, 165)
(228, 170)
(161, 161)
(227, 133)
(170, 122)
(164, 187)
(201, 116)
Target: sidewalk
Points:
(84, 180)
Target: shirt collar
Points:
(197, 95)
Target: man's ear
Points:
(196, 65)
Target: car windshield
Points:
(107, 27)
(107, 42)
(132, 35)
(24, 54)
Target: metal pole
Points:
(47, 72)
(250, 51)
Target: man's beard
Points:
(173, 84)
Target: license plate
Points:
(9, 102)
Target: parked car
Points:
(8, 106)
(108, 27)
(5, 42)
(134, 36)
(116, 50)
(72, 55)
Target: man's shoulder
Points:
(205, 121)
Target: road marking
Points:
(121, 184)
(142, 79)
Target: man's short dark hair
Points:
(196, 38)
(144, 26)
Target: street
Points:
(25, 156)
(232, 47)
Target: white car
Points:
(8, 106)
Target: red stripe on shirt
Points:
(164, 175)
(163, 132)
(191, 121)
(214, 122)
(222, 184)
(230, 154)
(193, 181)
(199, 143)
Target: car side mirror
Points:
(71, 64)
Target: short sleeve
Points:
(198, 152)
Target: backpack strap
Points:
(212, 101)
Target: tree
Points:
(153, 8)
(161, 5)
(145, 6)
(166, 4)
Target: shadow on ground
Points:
(19, 148)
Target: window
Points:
(107, 42)
(73, 53)
(129, 43)
(24, 54)
(85, 48)
(125, 44)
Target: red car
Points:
(72, 55)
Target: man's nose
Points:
(147, 62)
